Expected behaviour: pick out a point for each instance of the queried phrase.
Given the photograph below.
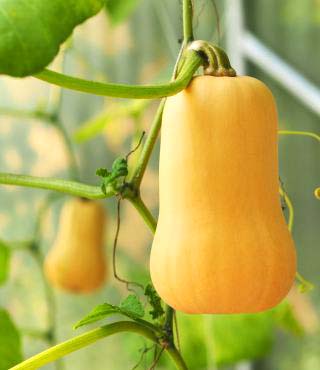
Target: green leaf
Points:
(285, 318)
(120, 167)
(120, 10)
(241, 337)
(196, 340)
(130, 307)
(118, 172)
(33, 30)
(154, 301)
(10, 342)
(4, 262)
(102, 172)
(98, 313)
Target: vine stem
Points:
(192, 63)
(147, 149)
(144, 212)
(187, 21)
(90, 337)
(307, 285)
(64, 186)
(53, 120)
(290, 207)
(73, 167)
(300, 133)
(83, 340)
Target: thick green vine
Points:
(192, 62)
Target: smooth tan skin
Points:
(222, 244)
(76, 261)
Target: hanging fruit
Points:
(221, 244)
(76, 261)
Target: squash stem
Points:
(224, 66)
(192, 62)
(217, 61)
(187, 21)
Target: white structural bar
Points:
(289, 78)
(234, 36)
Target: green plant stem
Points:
(187, 21)
(34, 333)
(57, 95)
(144, 213)
(50, 118)
(51, 305)
(44, 207)
(307, 285)
(152, 224)
(168, 325)
(148, 147)
(83, 340)
(22, 113)
(177, 358)
(192, 62)
(300, 133)
(73, 167)
(64, 186)
(290, 208)
(21, 245)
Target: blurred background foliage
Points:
(136, 41)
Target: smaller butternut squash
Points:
(76, 262)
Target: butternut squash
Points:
(221, 244)
(76, 262)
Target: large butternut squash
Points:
(221, 244)
(76, 261)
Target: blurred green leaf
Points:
(228, 339)
(120, 10)
(10, 342)
(97, 124)
(195, 340)
(284, 317)
(241, 337)
(32, 31)
(4, 262)
(130, 307)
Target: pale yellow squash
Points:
(76, 261)
(221, 244)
